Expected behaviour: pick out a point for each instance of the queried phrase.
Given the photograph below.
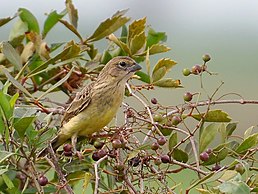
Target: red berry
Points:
(204, 156)
(209, 151)
(188, 97)
(154, 101)
(154, 146)
(162, 140)
(67, 147)
(42, 180)
(102, 153)
(165, 159)
(196, 69)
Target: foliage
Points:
(140, 156)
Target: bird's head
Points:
(120, 68)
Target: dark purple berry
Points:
(116, 143)
(204, 156)
(42, 180)
(161, 140)
(95, 156)
(154, 101)
(216, 167)
(196, 69)
(209, 151)
(154, 146)
(176, 120)
(134, 161)
(165, 159)
(102, 153)
(67, 147)
(70, 153)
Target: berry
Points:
(239, 168)
(206, 58)
(176, 120)
(70, 153)
(112, 154)
(67, 147)
(162, 140)
(204, 156)
(95, 156)
(98, 144)
(196, 69)
(116, 143)
(42, 180)
(154, 101)
(188, 97)
(154, 146)
(102, 153)
(165, 159)
(186, 72)
(157, 118)
(216, 167)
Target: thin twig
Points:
(97, 178)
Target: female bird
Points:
(96, 105)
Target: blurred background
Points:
(227, 30)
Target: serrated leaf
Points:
(207, 135)
(51, 21)
(155, 37)
(172, 141)
(248, 143)
(161, 68)
(168, 83)
(11, 54)
(137, 43)
(158, 48)
(72, 28)
(3, 21)
(213, 116)
(109, 26)
(119, 43)
(135, 28)
(180, 155)
(72, 13)
(23, 124)
(29, 18)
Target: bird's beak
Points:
(135, 68)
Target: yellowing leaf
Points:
(119, 43)
(71, 27)
(137, 42)
(72, 13)
(135, 28)
(161, 68)
(158, 48)
(168, 83)
(109, 26)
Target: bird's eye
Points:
(122, 64)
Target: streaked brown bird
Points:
(97, 104)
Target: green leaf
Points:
(11, 54)
(29, 18)
(180, 155)
(17, 33)
(213, 116)
(135, 28)
(3, 21)
(137, 42)
(4, 155)
(248, 143)
(248, 132)
(161, 68)
(119, 43)
(203, 179)
(23, 124)
(234, 187)
(51, 21)
(8, 181)
(143, 76)
(109, 26)
(168, 83)
(72, 28)
(72, 13)
(172, 141)
(16, 83)
(106, 57)
(5, 105)
(155, 37)
(207, 135)
(230, 128)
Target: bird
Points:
(97, 103)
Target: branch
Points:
(97, 178)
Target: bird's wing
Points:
(80, 102)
